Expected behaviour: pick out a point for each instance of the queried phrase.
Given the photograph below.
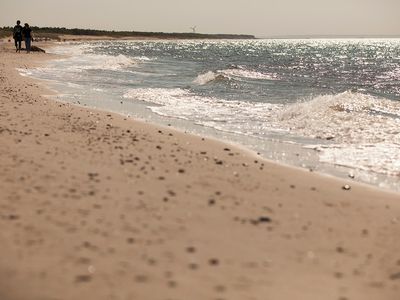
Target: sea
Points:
(327, 105)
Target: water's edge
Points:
(288, 154)
(290, 150)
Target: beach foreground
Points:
(97, 206)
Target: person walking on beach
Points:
(17, 35)
(27, 32)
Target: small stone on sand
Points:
(346, 187)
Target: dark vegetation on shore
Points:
(54, 33)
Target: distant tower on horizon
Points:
(193, 29)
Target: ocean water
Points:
(328, 105)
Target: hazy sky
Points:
(259, 17)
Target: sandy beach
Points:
(97, 206)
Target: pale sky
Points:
(259, 17)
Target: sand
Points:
(97, 206)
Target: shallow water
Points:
(330, 105)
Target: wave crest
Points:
(232, 73)
(239, 72)
(349, 117)
(208, 77)
(107, 62)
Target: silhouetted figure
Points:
(27, 32)
(17, 35)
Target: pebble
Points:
(191, 249)
(91, 269)
(395, 276)
(83, 278)
(264, 219)
(213, 261)
(346, 187)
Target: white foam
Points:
(228, 74)
(382, 158)
(143, 58)
(228, 115)
(355, 130)
(106, 62)
(249, 74)
(157, 95)
(364, 130)
(348, 117)
(81, 57)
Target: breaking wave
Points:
(355, 130)
(81, 57)
(232, 73)
(208, 77)
(239, 72)
(227, 115)
(363, 131)
(106, 62)
(347, 117)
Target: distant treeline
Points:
(55, 32)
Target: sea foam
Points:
(229, 74)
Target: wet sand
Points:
(97, 206)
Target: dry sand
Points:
(95, 206)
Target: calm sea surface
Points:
(321, 104)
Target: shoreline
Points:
(273, 149)
(337, 173)
(341, 173)
(97, 206)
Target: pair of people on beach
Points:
(20, 32)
